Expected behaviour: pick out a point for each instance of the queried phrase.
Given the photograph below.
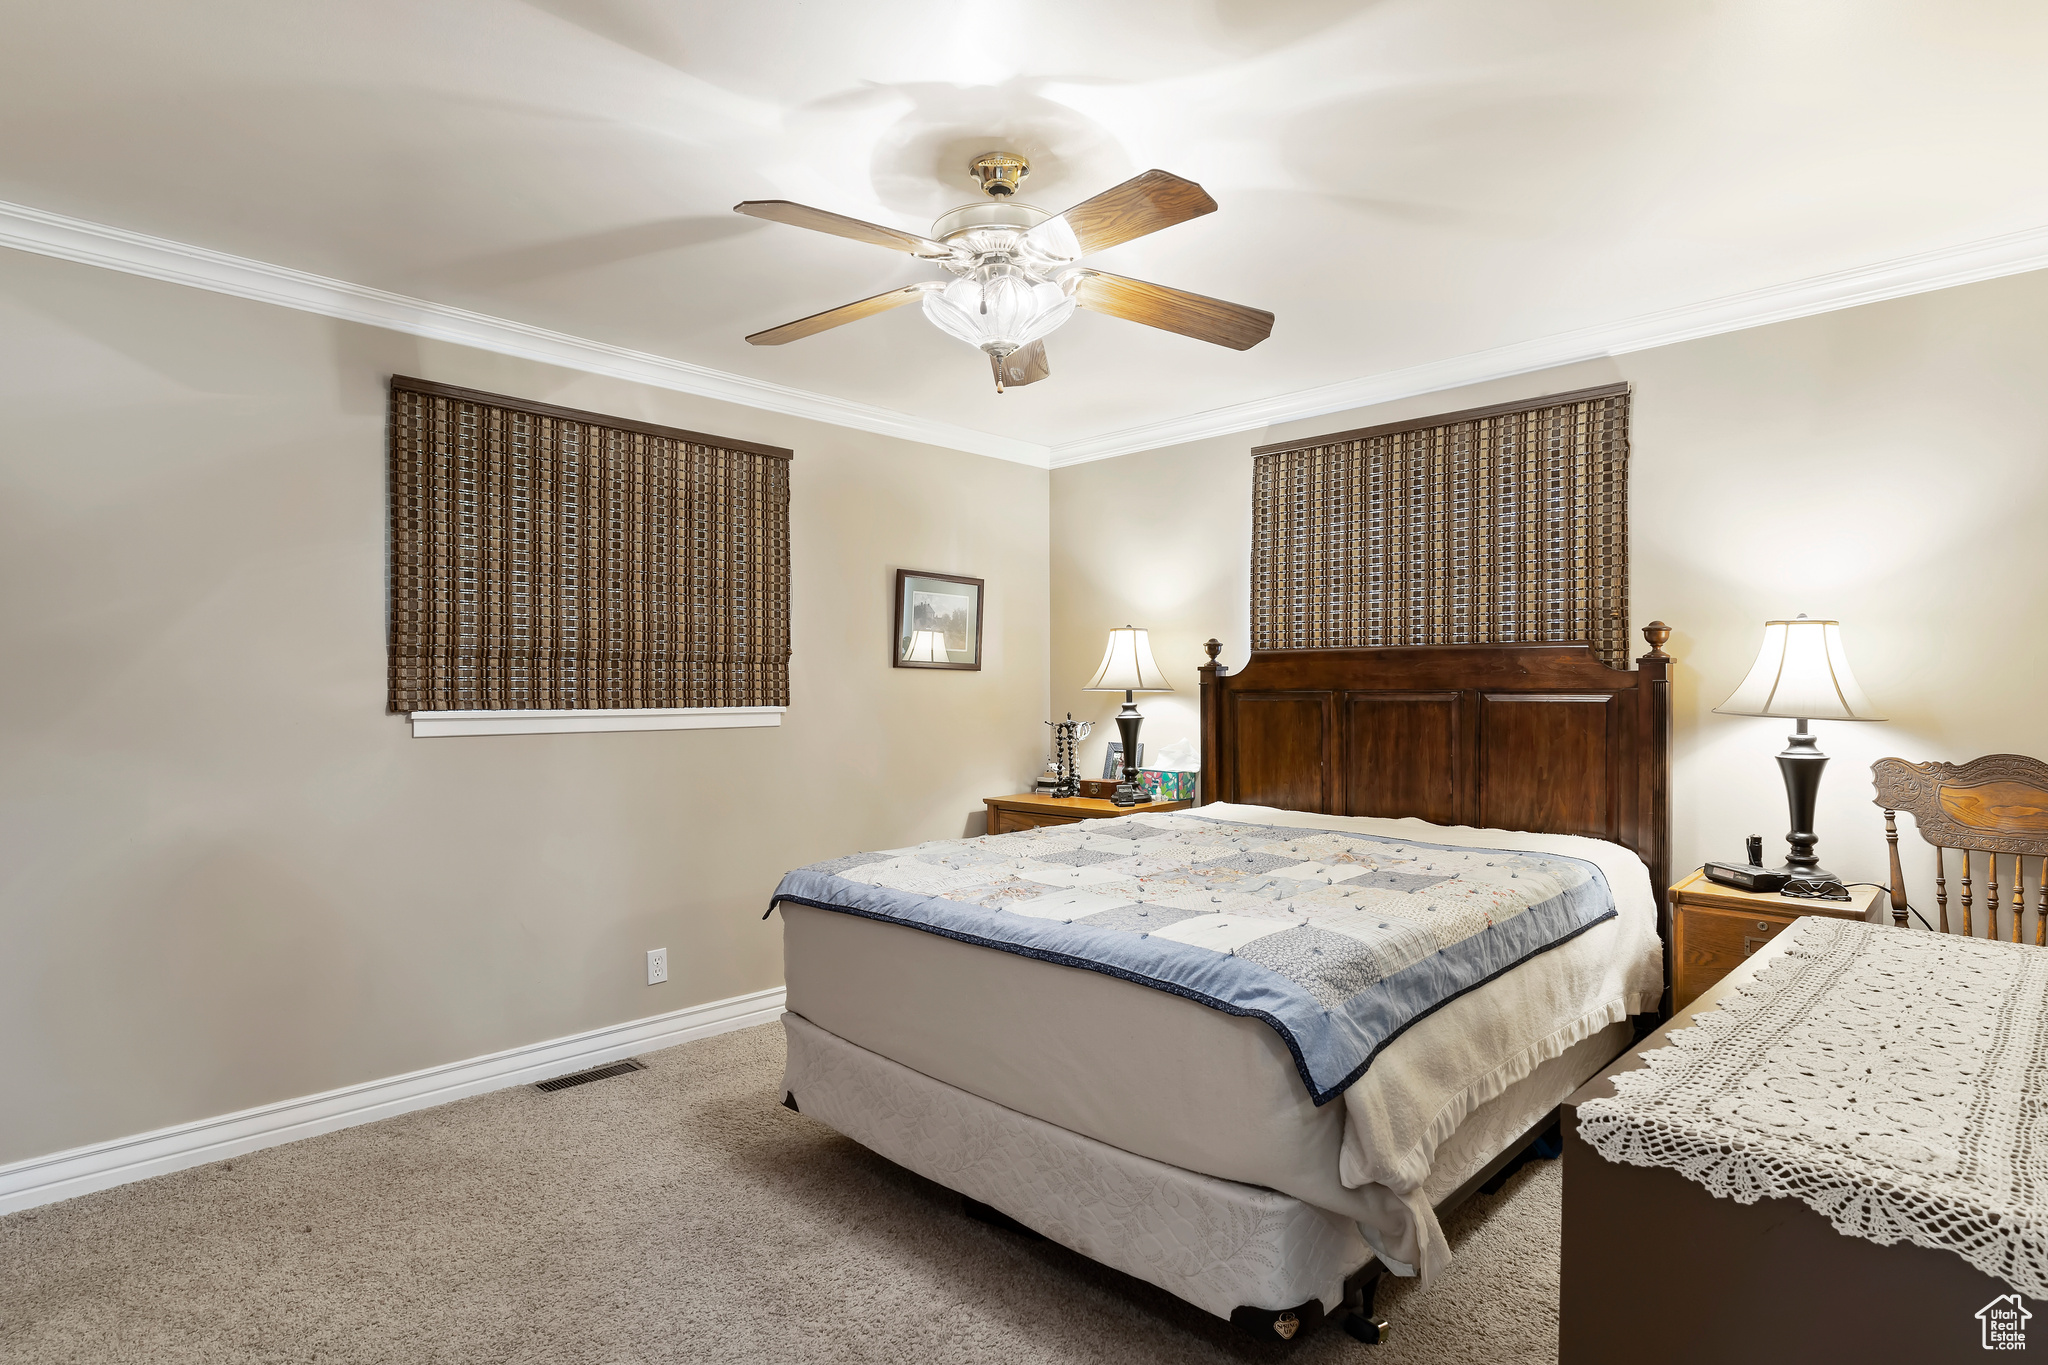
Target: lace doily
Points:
(1892, 1081)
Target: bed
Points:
(1179, 1102)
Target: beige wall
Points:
(227, 877)
(1885, 465)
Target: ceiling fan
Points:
(1015, 277)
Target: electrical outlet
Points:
(657, 966)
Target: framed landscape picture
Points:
(938, 621)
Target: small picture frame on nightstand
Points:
(1113, 760)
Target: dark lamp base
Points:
(1130, 791)
(1801, 765)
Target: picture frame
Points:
(1113, 760)
(937, 621)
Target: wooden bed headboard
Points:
(1539, 737)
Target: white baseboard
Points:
(66, 1175)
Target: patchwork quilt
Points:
(1337, 940)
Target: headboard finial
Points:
(1213, 669)
(1657, 633)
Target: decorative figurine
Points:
(1066, 738)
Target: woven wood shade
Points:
(1493, 526)
(548, 559)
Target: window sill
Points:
(436, 724)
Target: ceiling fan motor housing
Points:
(950, 228)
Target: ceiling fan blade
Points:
(839, 225)
(845, 313)
(1025, 365)
(1144, 203)
(1174, 310)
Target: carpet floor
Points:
(674, 1214)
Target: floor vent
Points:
(596, 1073)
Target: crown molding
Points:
(2011, 254)
(158, 258)
(77, 239)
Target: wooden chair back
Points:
(1988, 808)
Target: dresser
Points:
(1007, 814)
(1655, 1267)
(1715, 929)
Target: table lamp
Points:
(1127, 667)
(927, 647)
(1801, 674)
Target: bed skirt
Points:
(1217, 1244)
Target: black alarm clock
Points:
(1746, 878)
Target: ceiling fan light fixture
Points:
(998, 310)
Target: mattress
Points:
(1159, 1076)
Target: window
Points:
(1497, 525)
(560, 570)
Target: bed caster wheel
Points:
(1370, 1330)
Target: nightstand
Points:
(1007, 814)
(1714, 927)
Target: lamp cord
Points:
(1909, 905)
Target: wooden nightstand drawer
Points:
(1713, 943)
(1010, 821)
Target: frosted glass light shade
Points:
(1801, 673)
(927, 647)
(1127, 665)
(1000, 314)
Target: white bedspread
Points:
(1447, 1065)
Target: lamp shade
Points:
(1127, 665)
(1801, 673)
(927, 647)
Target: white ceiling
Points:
(1400, 181)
